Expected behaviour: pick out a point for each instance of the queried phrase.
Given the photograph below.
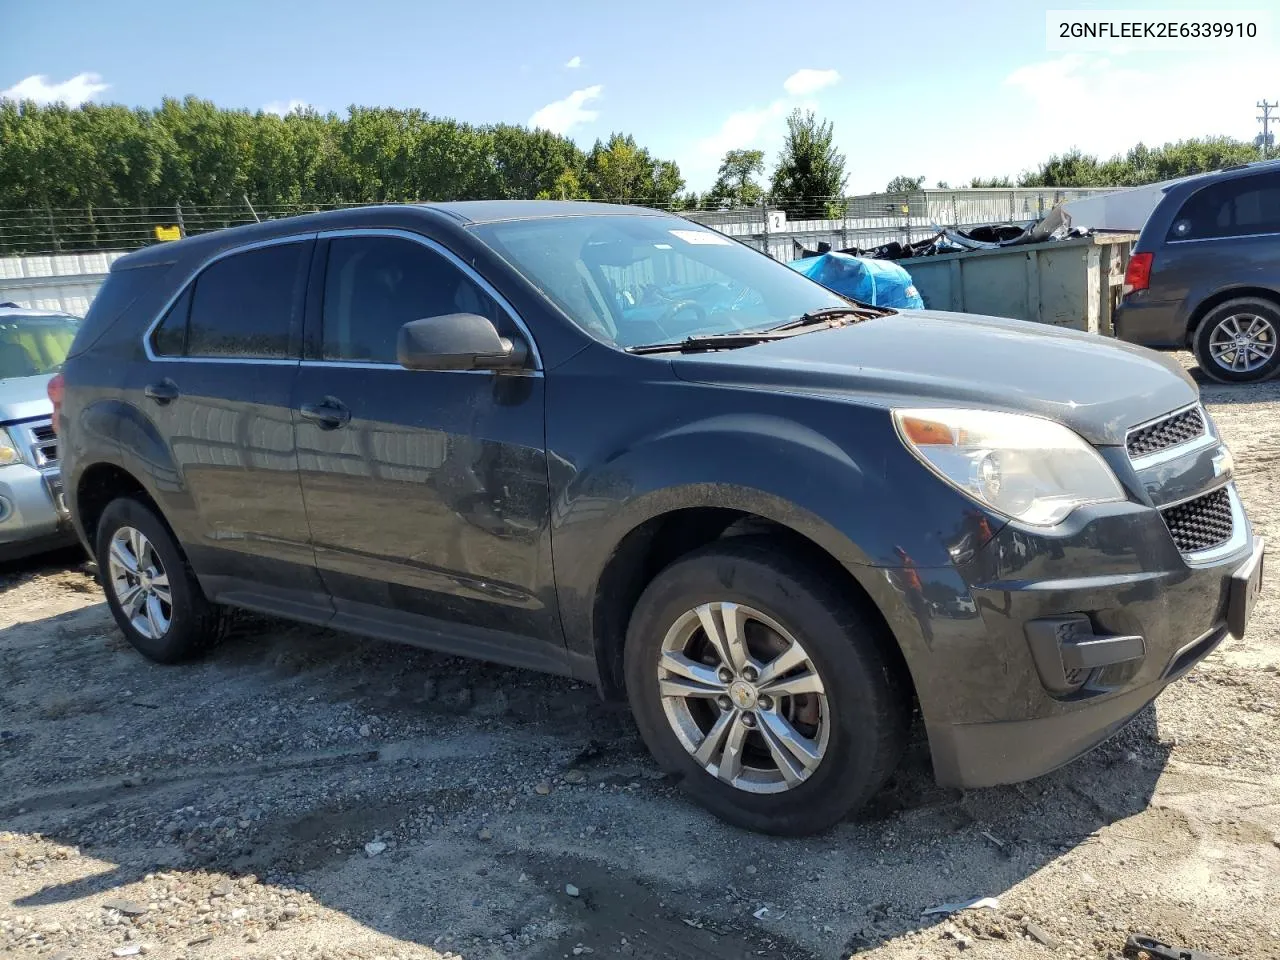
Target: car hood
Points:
(23, 398)
(1097, 386)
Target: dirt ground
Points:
(302, 794)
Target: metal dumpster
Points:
(1071, 283)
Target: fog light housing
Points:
(1067, 653)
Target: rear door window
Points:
(1245, 206)
(248, 306)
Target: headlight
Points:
(8, 449)
(1027, 468)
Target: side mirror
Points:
(457, 341)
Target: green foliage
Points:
(809, 179)
(904, 184)
(70, 164)
(1141, 164)
(990, 182)
(735, 184)
(624, 172)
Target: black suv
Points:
(610, 443)
(1205, 273)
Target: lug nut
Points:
(748, 719)
(749, 673)
(724, 703)
(725, 675)
(765, 703)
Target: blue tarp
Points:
(881, 283)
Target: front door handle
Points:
(329, 414)
(166, 391)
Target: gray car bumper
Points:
(33, 516)
(1151, 323)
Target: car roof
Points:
(491, 211)
(1226, 173)
(462, 213)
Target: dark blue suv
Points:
(1205, 273)
(609, 443)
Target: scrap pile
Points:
(1054, 226)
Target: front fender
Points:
(876, 508)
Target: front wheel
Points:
(770, 696)
(1236, 342)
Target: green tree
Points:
(989, 182)
(624, 172)
(904, 184)
(1140, 164)
(735, 184)
(809, 179)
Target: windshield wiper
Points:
(714, 341)
(828, 315)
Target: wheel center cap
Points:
(743, 695)
(144, 581)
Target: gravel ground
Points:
(303, 794)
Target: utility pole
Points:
(1265, 120)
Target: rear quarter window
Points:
(1244, 206)
(118, 292)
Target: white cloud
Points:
(806, 82)
(1064, 97)
(755, 127)
(563, 115)
(574, 63)
(284, 107)
(73, 92)
(745, 128)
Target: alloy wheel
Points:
(1242, 342)
(743, 697)
(140, 583)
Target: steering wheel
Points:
(700, 312)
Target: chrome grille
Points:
(44, 445)
(1181, 427)
(1201, 523)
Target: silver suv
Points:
(33, 515)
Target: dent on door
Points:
(432, 497)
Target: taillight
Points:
(1138, 275)
(55, 390)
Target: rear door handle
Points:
(163, 392)
(329, 414)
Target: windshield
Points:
(633, 280)
(32, 345)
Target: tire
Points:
(1217, 327)
(193, 625)
(865, 699)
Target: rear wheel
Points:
(1236, 341)
(152, 593)
(758, 685)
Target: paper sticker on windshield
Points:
(701, 236)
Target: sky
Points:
(930, 88)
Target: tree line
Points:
(59, 162)
(1136, 167)
(102, 157)
(192, 151)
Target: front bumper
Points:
(999, 706)
(33, 513)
